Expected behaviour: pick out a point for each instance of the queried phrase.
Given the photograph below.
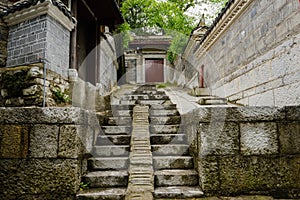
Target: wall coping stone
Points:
(236, 9)
(244, 114)
(48, 115)
(37, 10)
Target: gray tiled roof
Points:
(28, 3)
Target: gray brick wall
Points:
(27, 41)
(3, 37)
(41, 37)
(255, 62)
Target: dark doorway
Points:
(154, 70)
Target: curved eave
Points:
(108, 13)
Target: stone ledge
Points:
(242, 114)
(32, 115)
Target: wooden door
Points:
(154, 70)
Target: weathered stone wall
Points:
(3, 36)
(39, 38)
(131, 71)
(246, 150)
(108, 64)
(251, 56)
(24, 86)
(42, 151)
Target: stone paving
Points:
(141, 174)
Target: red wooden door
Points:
(154, 70)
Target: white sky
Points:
(210, 11)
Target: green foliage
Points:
(150, 17)
(61, 97)
(15, 83)
(84, 186)
(164, 85)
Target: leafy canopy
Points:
(152, 17)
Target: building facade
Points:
(63, 41)
(146, 59)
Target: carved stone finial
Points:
(202, 21)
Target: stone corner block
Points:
(70, 145)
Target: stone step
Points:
(121, 107)
(164, 129)
(170, 150)
(116, 130)
(128, 102)
(178, 192)
(163, 107)
(163, 112)
(150, 102)
(173, 162)
(165, 120)
(102, 193)
(212, 101)
(119, 121)
(168, 139)
(103, 179)
(113, 140)
(145, 97)
(120, 113)
(108, 163)
(176, 177)
(111, 150)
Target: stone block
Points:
(245, 174)
(14, 141)
(259, 138)
(43, 141)
(70, 144)
(66, 115)
(287, 95)
(39, 177)
(288, 176)
(292, 113)
(289, 137)
(262, 99)
(208, 168)
(218, 138)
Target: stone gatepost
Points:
(41, 31)
(38, 37)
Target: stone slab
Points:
(218, 138)
(44, 141)
(14, 141)
(259, 138)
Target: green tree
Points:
(149, 17)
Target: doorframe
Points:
(153, 57)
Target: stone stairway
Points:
(108, 169)
(152, 164)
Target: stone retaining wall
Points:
(251, 55)
(24, 86)
(42, 151)
(246, 150)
